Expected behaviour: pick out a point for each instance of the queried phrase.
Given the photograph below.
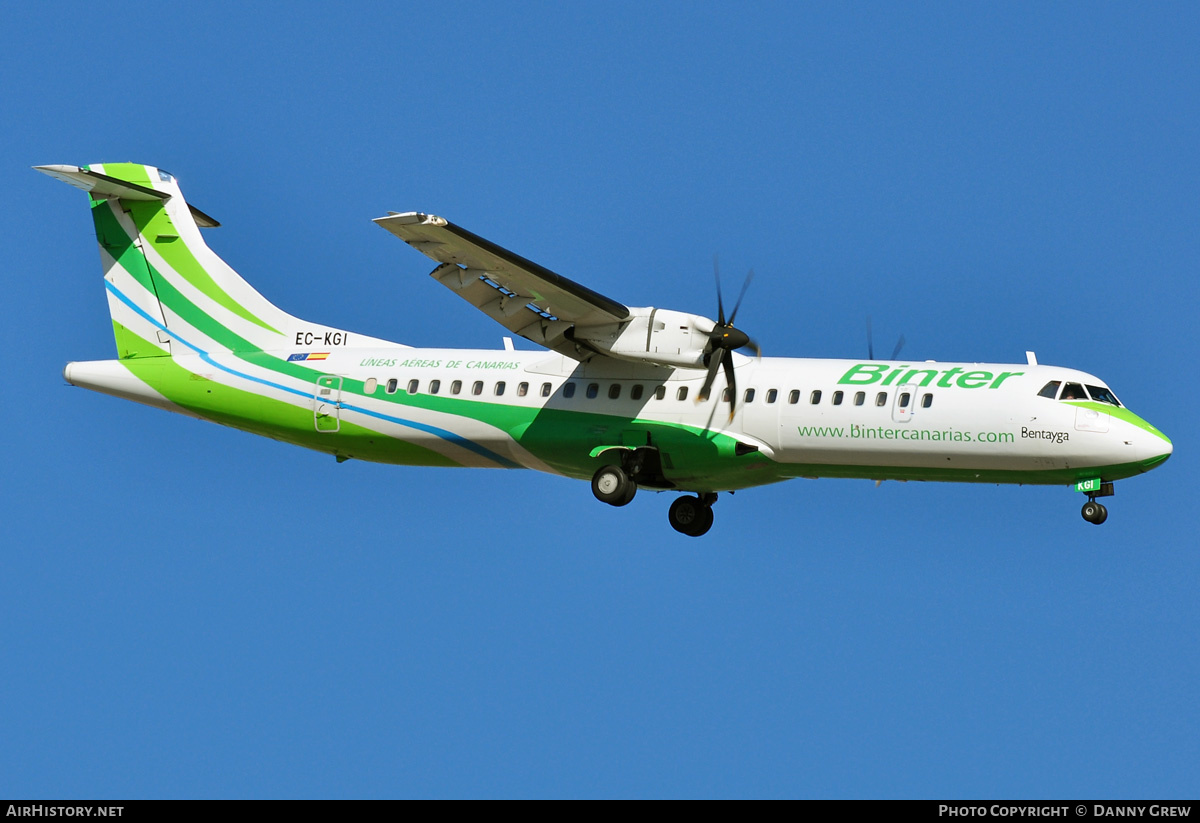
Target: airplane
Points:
(627, 397)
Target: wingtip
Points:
(56, 168)
(409, 218)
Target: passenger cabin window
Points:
(815, 397)
(772, 395)
(1073, 391)
(1103, 395)
(593, 389)
(413, 385)
(726, 395)
(435, 386)
(614, 391)
(794, 396)
(456, 387)
(1050, 389)
(927, 401)
(568, 390)
(545, 390)
(682, 393)
(522, 389)
(636, 392)
(660, 392)
(477, 387)
(860, 397)
(499, 388)
(837, 398)
(881, 399)
(748, 397)
(371, 385)
(905, 397)
(391, 386)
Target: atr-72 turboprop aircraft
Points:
(623, 396)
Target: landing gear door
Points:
(905, 403)
(327, 404)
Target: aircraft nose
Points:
(1154, 449)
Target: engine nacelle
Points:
(662, 336)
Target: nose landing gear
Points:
(1094, 512)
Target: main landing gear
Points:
(616, 485)
(613, 486)
(692, 515)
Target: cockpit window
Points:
(1103, 395)
(1050, 389)
(1073, 391)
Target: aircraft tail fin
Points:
(168, 292)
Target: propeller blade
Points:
(738, 304)
(899, 346)
(732, 381)
(870, 343)
(725, 338)
(714, 363)
(720, 304)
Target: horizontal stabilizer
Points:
(101, 185)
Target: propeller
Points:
(724, 338)
(871, 344)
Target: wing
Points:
(525, 298)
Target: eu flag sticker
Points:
(292, 358)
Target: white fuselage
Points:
(828, 417)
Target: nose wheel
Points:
(692, 515)
(1094, 512)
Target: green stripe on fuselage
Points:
(272, 418)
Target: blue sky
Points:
(190, 611)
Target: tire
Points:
(631, 490)
(611, 485)
(1093, 512)
(702, 527)
(689, 515)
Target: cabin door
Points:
(327, 403)
(905, 403)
